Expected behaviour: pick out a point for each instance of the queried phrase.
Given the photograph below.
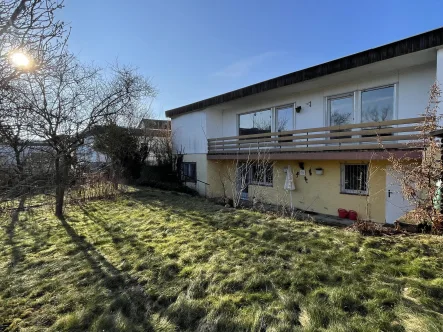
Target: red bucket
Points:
(352, 215)
(342, 213)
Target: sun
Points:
(20, 60)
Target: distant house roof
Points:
(409, 45)
(154, 124)
(139, 131)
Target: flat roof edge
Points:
(427, 40)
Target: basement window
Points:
(189, 172)
(354, 179)
(262, 174)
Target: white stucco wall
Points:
(214, 121)
(413, 81)
(189, 133)
(413, 86)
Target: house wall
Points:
(202, 170)
(214, 123)
(320, 194)
(413, 84)
(192, 130)
(189, 133)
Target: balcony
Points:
(371, 140)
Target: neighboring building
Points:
(87, 154)
(313, 119)
(152, 133)
(155, 136)
(154, 124)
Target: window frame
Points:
(357, 98)
(277, 108)
(187, 178)
(340, 96)
(343, 190)
(264, 183)
(394, 102)
(271, 109)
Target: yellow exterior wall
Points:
(321, 194)
(202, 169)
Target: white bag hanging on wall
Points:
(289, 182)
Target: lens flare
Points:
(20, 60)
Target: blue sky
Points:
(195, 49)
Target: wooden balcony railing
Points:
(394, 134)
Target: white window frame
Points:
(343, 190)
(273, 110)
(357, 113)
(256, 111)
(276, 108)
(261, 183)
(339, 96)
(187, 178)
(395, 102)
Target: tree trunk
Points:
(59, 188)
(61, 177)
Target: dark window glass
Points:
(377, 104)
(262, 174)
(255, 123)
(341, 110)
(354, 178)
(189, 172)
(285, 118)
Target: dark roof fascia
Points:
(409, 45)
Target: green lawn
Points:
(163, 261)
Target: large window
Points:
(262, 174)
(285, 118)
(354, 179)
(189, 172)
(341, 110)
(377, 104)
(255, 123)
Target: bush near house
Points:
(163, 261)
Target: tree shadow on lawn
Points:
(16, 254)
(137, 305)
(128, 296)
(300, 238)
(187, 313)
(273, 234)
(118, 237)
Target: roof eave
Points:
(406, 46)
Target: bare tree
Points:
(338, 118)
(13, 130)
(255, 169)
(419, 178)
(69, 99)
(28, 27)
(377, 115)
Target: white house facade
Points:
(319, 118)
